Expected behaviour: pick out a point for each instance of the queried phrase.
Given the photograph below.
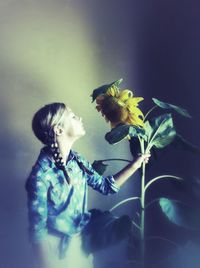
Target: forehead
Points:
(68, 113)
(68, 110)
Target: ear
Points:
(58, 130)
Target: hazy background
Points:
(60, 51)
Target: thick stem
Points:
(142, 200)
(142, 225)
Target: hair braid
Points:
(57, 156)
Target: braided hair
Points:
(43, 123)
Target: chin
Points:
(81, 133)
(84, 132)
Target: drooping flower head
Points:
(118, 106)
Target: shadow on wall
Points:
(16, 152)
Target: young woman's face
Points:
(72, 124)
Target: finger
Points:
(144, 155)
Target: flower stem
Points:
(155, 106)
(116, 159)
(134, 223)
(161, 177)
(143, 214)
(124, 201)
(142, 201)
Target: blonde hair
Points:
(46, 118)
(42, 124)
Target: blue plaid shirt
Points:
(53, 205)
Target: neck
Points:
(65, 147)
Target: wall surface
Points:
(60, 51)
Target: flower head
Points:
(119, 106)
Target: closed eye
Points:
(74, 116)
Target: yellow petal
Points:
(121, 103)
(135, 121)
(125, 94)
(136, 112)
(134, 101)
(135, 116)
(112, 91)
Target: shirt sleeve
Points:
(37, 208)
(104, 185)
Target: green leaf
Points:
(117, 134)
(160, 131)
(181, 143)
(180, 213)
(137, 131)
(101, 90)
(99, 166)
(165, 105)
(111, 230)
(122, 131)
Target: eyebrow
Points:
(68, 110)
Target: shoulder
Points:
(84, 163)
(35, 178)
(79, 157)
(39, 172)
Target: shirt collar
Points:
(46, 160)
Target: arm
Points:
(104, 185)
(123, 175)
(111, 184)
(37, 210)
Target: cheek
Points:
(68, 127)
(78, 129)
(72, 129)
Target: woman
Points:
(57, 191)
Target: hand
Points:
(141, 158)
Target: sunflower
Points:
(120, 107)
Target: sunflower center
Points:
(114, 111)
